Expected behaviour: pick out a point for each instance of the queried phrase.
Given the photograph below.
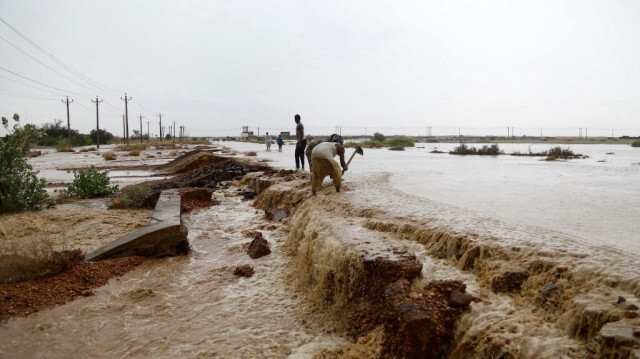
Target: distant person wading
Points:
(267, 140)
(280, 142)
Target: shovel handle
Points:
(352, 155)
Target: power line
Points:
(23, 84)
(39, 83)
(3, 93)
(45, 65)
(56, 60)
(23, 93)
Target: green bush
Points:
(109, 156)
(635, 143)
(463, 149)
(91, 183)
(400, 142)
(492, 150)
(20, 188)
(377, 136)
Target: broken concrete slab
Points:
(164, 236)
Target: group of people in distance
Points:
(319, 153)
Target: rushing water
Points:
(582, 212)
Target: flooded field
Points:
(568, 226)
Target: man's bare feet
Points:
(337, 189)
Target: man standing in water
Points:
(301, 143)
(322, 165)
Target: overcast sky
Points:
(391, 66)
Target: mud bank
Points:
(527, 300)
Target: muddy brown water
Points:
(194, 306)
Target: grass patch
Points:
(88, 149)
(399, 142)
(63, 146)
(34, 258)
(109, 156)
(635, 143)
(134, 196)
(132, 147)
(251, 154)
(133, 153)
(372, 144)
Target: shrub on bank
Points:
(134, 196)
(34, 258)
(91, 183)
(20, 188)
(109, 156)
(635, 143)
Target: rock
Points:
(259, 247)
(621, 300)
(244, 271)
(632, 307)
(562, 268)
(630, 314)
(274, 214)
(420, 325)
(636, 331)
(196, 194)
(380, 272)
(460, 299)
(509, 281)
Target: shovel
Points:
(358, 151)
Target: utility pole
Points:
(68, 121)
(174, 133)
(126, 113)
(160, 116)
(97, 122)
(586, 135)
(148, 138)
(124, 131)
(141, 117)
(508, 136)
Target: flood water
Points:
(580, 212)
(594, 199)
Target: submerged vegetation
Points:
(553, 154)
(463, 149)
(20, 187)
